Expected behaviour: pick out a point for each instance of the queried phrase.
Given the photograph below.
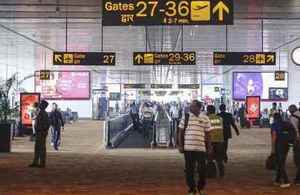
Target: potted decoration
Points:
(6, 113)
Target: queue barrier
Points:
(116, 129)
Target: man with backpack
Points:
(283, 135)
(41, 126)
(193, 140)
(295, 120)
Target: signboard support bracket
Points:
(262, 35)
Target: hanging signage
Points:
(280, 75)
(244, 58)
(253, 107)
(188, 86)
(217, 89)
(114, 96)
(84, 58)
(134, 86)
(161, 86)
(167, 12)
(26, 106)
(164, 58)
(45, 74)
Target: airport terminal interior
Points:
(123, 78)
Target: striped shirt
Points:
(194, 137)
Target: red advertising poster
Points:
(26, 101)
(253, 107)
(65, 85)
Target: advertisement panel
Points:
(253, 107)
(257, 84)
(26, 105)
(65, 85)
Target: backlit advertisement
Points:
(256, 84)
(65, 85)
(253, 107)
(26, 105)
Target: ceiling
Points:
(30, 30)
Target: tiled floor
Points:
(83, 166)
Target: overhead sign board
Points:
(134, 86)
(45, 74)
(280, 75)
(245, 58)
(188, 86)
(84, 58)
(161, 86)
(167, 12)
(164, 58)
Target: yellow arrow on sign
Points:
(270, 58)
(58, 58)
(139, 58)
(221, 7)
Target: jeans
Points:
(296, 151)
(40, 149)
(226, 142)
(281, 150)
(219, 153)
(193, 159)
(56, 137)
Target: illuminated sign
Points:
(134, 86)
(245, 58)
(45, 74)
(161, 86)
(84, 58)
(164, 58)
(188, 86)
(26, 106)
(167, 12)
(280, 75)
(253, 107)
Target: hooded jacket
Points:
(42, 120)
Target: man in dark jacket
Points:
(228, 121)
(57, 123)
(42, 125)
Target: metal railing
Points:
(115, 128)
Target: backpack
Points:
(288, 132)
(44, 121)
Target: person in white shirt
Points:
(194, 141)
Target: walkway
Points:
(84, 167)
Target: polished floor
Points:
(83, 166)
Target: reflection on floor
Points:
(83, 166)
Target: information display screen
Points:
(65, 85)
(245, 58)
(26, 106)
(280, 94)
(256, 84)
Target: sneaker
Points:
(52, 144)
(297, 182)
(192, 192)
(285, 185)
(33, 165)
(201, 192)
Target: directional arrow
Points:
(58, 58)
(139, 58)
(270, 58)
(221, 7)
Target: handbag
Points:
(271, 163)
(181, 133)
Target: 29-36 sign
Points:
(167, 12)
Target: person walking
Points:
(194, 142)
(57, 123)
(33, 115)
(295, 120)
(228, 121)
(174, 112)
(280, 143)
(41, 126)
(134, 114)
(217, 138)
